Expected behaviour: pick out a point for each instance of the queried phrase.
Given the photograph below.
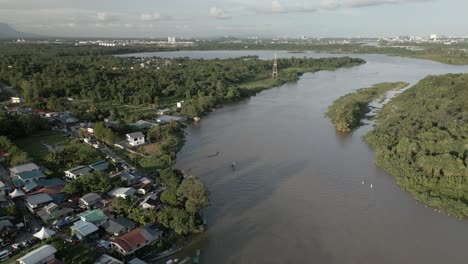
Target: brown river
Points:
(297, 194)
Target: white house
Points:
(122, 192)
(16, 100)
(180, 104)
(75, 173)
(135, 139)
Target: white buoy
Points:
(371, 185)
(362, 182)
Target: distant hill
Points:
(7, 32)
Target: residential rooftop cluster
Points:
(48, 212)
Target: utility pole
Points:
(274, 75)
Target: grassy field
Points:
(33, 144)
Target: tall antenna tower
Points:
(274, 75)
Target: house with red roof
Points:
(137, 238)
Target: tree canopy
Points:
(421, 139)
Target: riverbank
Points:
(347, 112)
(420, 139)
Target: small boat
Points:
(214, 154)
(233, 165)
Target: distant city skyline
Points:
(209, 18)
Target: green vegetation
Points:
(10, 210)
(184, 197)
(11, 154)
(57, 73)
(73, 254)
(34, 144)
(347, 111)
(167, 141)
(96, 181)
(14, 126)
(129, 208)
(103, 133)
(422, 139)
(71, 155)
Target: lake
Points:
(297, 194)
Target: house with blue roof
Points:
(29, 176)
(101, 165)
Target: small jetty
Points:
(167, 253)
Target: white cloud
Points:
(150, 16)
(277, 7)
(218, 13)
(329, 4)
(106, 17)
(366, 3)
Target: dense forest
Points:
(58, 72)
(347, 112)
(422, 139)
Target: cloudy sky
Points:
(192, 18)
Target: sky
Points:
(212, 18)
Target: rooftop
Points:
(37, 199)
(27, 175)
(135, 135)
(106, 259)
(136, 237)
(80, 170)
(121, 192)
(136, 261)
(37, 255)
(90, 197)
(100, 165)
(93, 216)
(24, 167)
(118, 224)
(84, 228)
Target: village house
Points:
(121, 192)
(137, 238)
(29, 176)
(37, 201)
(75, 173)
(118, 226)
(97, 217)
(128, 177)
(100, 165)
(7, 230)
(16, 100)
(53, 212)
(166, 111)
(90, 199)
(106, 259)
(152, 201)
(2, 188)
(82, 229)
(141, 124)
(179, 104)
(14, 171)
(24, 111)
(42, 255)
(135, 139)
(136, 261)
